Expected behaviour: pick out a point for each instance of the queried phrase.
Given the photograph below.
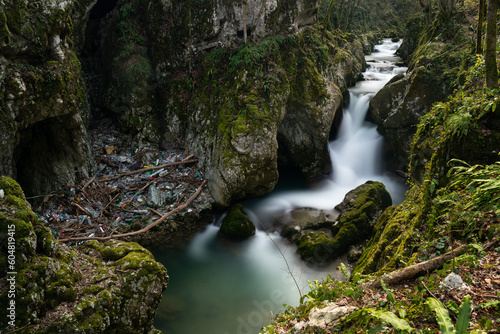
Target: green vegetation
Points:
(386, 17)
(454, 199)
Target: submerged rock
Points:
(94, 288)
(236, 224)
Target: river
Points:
(219, 286)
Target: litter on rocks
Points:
(126, 189)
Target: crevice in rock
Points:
(91, 58)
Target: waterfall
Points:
(219, 286)
(356, 153)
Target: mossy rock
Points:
(318, 247)
(236, 224)
(361, 208)
(386, 249)
(103, 280)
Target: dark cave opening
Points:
(49, 155)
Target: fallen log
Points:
(417, 269)
(187, 160)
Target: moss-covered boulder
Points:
(361, 208)
(236, 224)
(297, 220)
(398, 106)
(111, 287)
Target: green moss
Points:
(388, 248)
(115, 250)
(11, 187)
(317, 247)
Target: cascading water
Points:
(218, 286)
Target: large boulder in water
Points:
(236, 224)
(361, 208)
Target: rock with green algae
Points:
(236, 224)
(43, 110)
(253, 113)
(387, 248)
(361, 208)
(398, 106)
(111, 287)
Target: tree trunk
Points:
(479, 35)
(446, 7)
(491, 52)
(417, 269)
(245, 21)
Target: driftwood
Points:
(417, 269)
(187, 160)
(147, 228)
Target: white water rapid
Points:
(219, 286)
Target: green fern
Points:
(391, 318)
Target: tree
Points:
(245, 21)
(490, 54)
(446, 7)
(480, 20)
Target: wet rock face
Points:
(43, 109)
(162, 89)
(398, 106)
(236, 224)
(323, 235)
(106, 287)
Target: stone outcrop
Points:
(111, 287)
(324, 235)
(43, 108)
(398, 106)
(234, 106)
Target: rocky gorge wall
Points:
(171, 73)
(43, 109)
(239, 108)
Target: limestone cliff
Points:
(184, 78)
(43, 108)
(433, 53)
(171, 73)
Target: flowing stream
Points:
(224, 287)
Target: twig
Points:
(82, 209)
(142, 170)
(429, 291)
(283, 256)
(89, 182)
(106, 206)
(155, 212)
(147, 228)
